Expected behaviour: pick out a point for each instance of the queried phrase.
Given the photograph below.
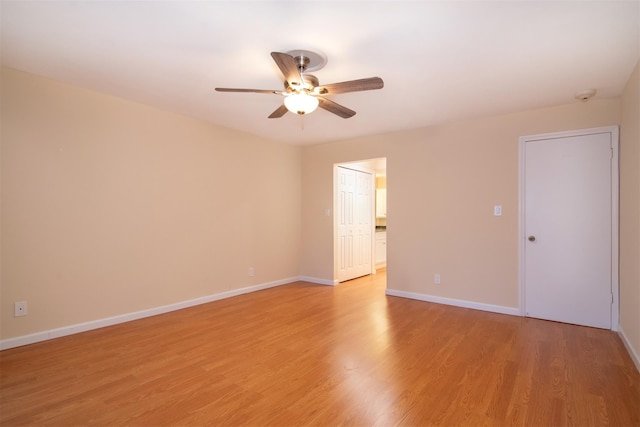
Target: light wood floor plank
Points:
(304, 354)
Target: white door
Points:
(568, 228)
(355, 215)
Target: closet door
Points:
(355, 216)
(568, 228)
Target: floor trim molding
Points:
(127, 317)
(632, 352)
(455, 302)
(318, 281)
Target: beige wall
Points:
(630, 212)
(442, 183)
(110, 207)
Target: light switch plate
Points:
(497, 210)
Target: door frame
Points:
(615, 185)
(335, 217)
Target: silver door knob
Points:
(532, 238)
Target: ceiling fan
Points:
(303, 92)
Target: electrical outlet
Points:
(20, 308)
(436, 279)
(251, 271)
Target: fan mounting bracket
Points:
(311, 61)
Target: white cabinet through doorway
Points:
(381, 203)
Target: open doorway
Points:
(360, 220)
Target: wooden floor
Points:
(304, 354)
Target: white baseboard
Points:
(318, 281)
(127, 317)
(632, 352)
(514, 311)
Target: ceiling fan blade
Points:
(335, 108)
(279, 112)
(289, 68)
(226, 89)
(351, 86)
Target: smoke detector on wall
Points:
(585, 95)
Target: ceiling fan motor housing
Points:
(309, 83)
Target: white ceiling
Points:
(441, 61)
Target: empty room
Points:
(292, 213)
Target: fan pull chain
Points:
(301, 122)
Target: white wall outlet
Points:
(436, 279)
(20, 308)
(251, 272)
(497, 210)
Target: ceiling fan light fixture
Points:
(301, 103)
(302, 91)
